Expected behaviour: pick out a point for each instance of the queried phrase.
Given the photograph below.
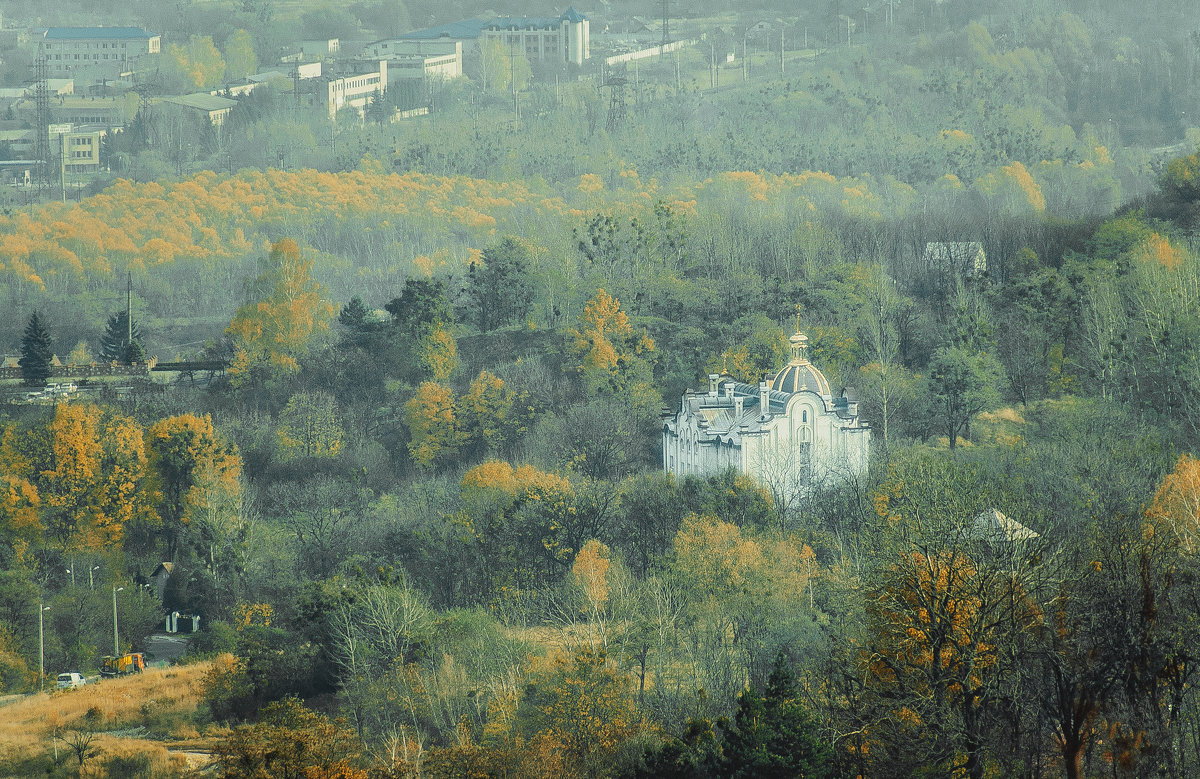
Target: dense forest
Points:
(417, 496)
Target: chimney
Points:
(737, 408)
(729, 390)
(713, 378)
(764, 398)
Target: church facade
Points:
(790, 433)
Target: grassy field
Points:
(140, 726)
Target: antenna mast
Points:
(666, 28)
(41, 144)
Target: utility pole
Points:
(745, 61)
(128, 310)
(116, 640)
(666, 25)
(62, 167)
(781, 51)
(42, 609)
(512, 78)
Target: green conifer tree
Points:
(114, 344)
(36, 352)
(774, 736)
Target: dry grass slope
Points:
(148, 714)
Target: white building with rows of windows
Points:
(72, 50)
(790, 433)
(556, 39)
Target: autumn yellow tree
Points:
(240, 57)
(274, 331)
(493, 416)
(197, 64)
(520, 527)
(584, 705)
(749, 593)
(437, 351)
(80, 477)
(20, 523)
(1175, 509)
(432, 424)
(952, 598)
(192, 465)
(614, 358)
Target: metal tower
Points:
(666, 26)
(616, 102)
(43, 150)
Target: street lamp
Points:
(91, 576)
(116, 640)
(41, 647)
(71, 571)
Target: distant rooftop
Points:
(470, 28)
(203, 101)
(473, 28)
(95, 33)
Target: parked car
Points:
(70, 680)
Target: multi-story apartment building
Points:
(70, 50)
(565, 38)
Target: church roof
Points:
(800, 374)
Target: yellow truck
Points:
(132, 663)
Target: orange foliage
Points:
(195, 468)
(591, 573)
(252, 614)
(524, 479)
(272, 333)
(1176, 505)
(612, 353)
(1157, 248)
(438, 353)
(433, 424)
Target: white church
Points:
(790, 433)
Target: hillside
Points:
(127, 726)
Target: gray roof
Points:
(721, 422)
(95, 33)
(203, 101)
(466, 29)
(473, 28)
(805, 376)
(993, 526)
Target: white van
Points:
(71, 680)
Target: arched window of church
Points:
(804, 416)
(805, 435)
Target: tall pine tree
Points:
(114, 344)
(773, 736)
(36, 352)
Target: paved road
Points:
(165, 646)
